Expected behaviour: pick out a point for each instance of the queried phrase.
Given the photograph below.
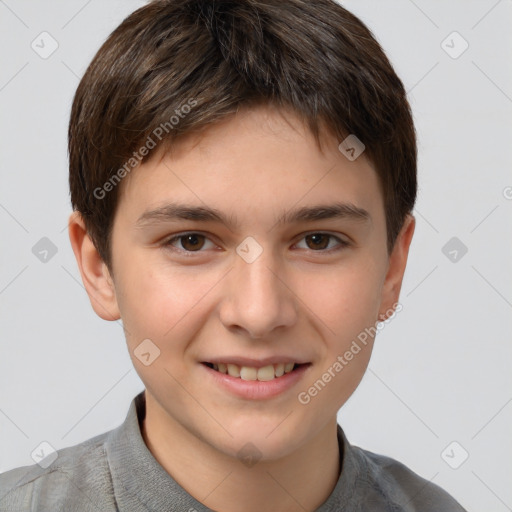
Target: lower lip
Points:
(255, 389)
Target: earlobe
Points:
(396, 269)
(95, 275)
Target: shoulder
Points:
(78, 479)
(401, 488)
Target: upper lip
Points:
(254, 363)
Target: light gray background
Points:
(440, 371)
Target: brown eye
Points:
(192, 242)
(322, 242)
(188, 242)
(317, 241)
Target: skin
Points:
(294, 299)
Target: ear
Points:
(396, 268)
(95, 275)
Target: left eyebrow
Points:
(174, 211)
(346, 211)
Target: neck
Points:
(298, 482)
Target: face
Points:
(250, 246)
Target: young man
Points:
(243, 176)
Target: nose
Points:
(257, 300)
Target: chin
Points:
(264, 440)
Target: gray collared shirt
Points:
(115, 471)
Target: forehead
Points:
(258, 159)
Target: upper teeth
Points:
(248, 373)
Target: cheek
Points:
(346, 304)
(157, 301)
(346, 299)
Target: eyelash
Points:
(342, 244)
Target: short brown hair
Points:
(216, 57)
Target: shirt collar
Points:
(140, 483)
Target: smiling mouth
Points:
(265, 373)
